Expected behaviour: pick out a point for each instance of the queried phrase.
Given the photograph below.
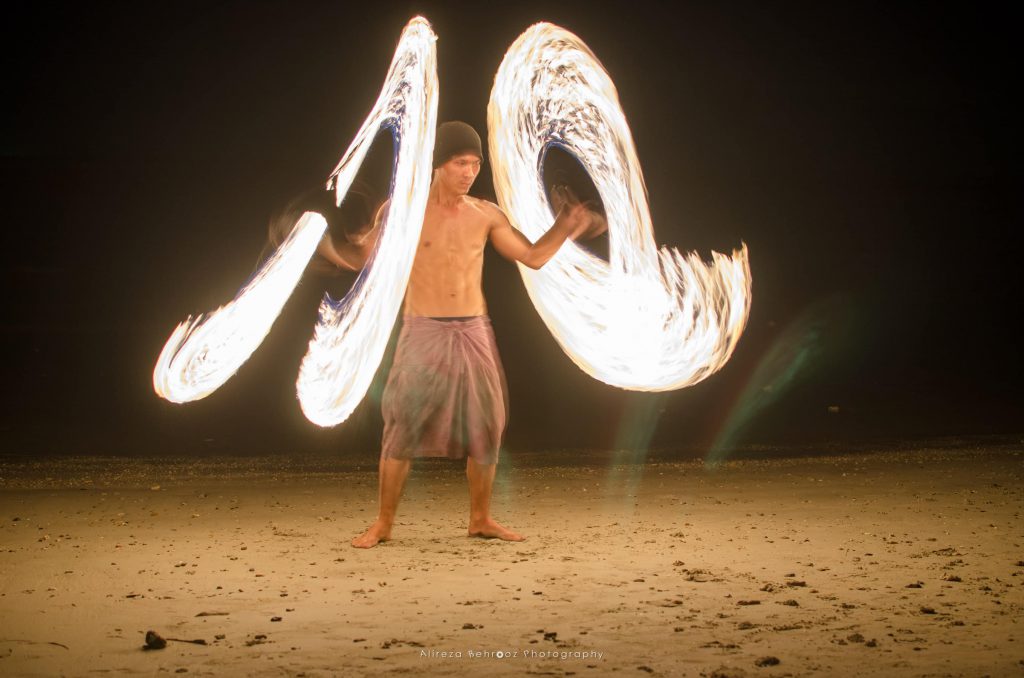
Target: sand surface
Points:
(887, 562)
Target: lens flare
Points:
(647, 319)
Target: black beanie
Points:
(453, 138)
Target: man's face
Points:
(459, 172)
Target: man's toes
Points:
(368, 540)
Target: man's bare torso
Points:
(447, 273)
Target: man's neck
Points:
(444, 198)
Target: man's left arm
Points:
(572, 220)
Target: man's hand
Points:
(582, 221)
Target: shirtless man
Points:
(445, 395)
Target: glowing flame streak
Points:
(647, 319)
(204, 352)
(351, 335)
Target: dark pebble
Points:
(154, 641)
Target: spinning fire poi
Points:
(647, 319)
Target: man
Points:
(445, 395)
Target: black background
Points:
(866, 153)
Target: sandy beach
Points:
(882, 561)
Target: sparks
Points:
(648, 319)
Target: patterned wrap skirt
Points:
(446, 394)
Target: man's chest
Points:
(452, 237)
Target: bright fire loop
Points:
(351, 335)
(648, 319)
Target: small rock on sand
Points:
(154, 641)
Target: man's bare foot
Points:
(492, 529)
(373, 536)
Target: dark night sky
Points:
(867, 154)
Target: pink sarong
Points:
(446, 393)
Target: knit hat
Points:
(453, 138)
